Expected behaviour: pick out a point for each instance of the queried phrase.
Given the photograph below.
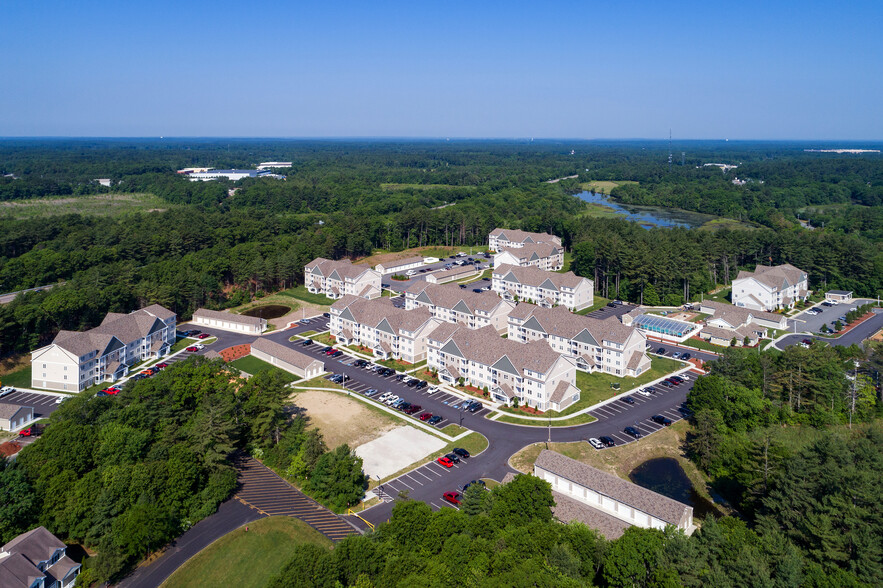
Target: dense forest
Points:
(219, 244)
(125, 474)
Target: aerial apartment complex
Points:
(543, 288)
(462, 306)
(76, 360)
(545, 256)
(531, 373)
(596, 345)
(336, 279)
(500, 239)
(770, 288)
(728, 322)
(390, 332)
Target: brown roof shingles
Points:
(283, 353)
(229, 317)
(563, 323)
(568, 510)
(534, 276)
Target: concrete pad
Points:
(396, 450)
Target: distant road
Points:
(7, 298)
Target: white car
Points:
(392, 399)
(384, 396)
(412, 272)
(199, 346)
(596, 443)
(432, 390)
(643, 392)
(6, 390)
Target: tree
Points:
(524, 499)
(475, 500)
(18, 502)
(707, 438)
(338, 478)
(633, 558)
(143, 528)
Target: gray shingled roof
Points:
(449, 295)
(518, 236)
(229, 317)
(775, 276)
(37, 544)
(17, 572)
(563, 323)
(284, 353)
(61, 568)
(568, 510)
(736, 315)
(373, 312)
(344, 267)
(541, 249)
(534, 276)
(8, 409)
(485, 346)
(638, 497)
(401, 262)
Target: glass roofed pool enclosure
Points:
(665, 326)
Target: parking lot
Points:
(431, 474)
(606, 312)
(43, 404)
(829, 315)
(401, 285)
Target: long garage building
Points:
(301, 365)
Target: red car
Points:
(111, 391)
(452, 497)
(425, 416)
(192, 349)
(330, 351)
(445, 462)
(204, 336)
(161, 366)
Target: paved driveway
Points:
(813, 323)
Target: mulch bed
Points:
(235, 352)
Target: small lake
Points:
(665, 476)
(268, 311)
(648, 216)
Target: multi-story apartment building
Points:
(463, 306)
(502, 238)
(770, 288)
(336, 279)
(544, 256)
(390, 332)
(76, 360)
(596, 345)
(37, 559)
(728, 322)
(531, 373)
(544, 288)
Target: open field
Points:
(253, 365)
(299, 293)
(342, 419)
(622, 459)
(97, 205)
(20, 378)
(597, 302)
(429, 251)
(726, 223)
(603, 186)
(398, 187)
(246, 558)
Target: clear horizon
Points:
(561, 70)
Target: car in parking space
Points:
(6, 390)
(326, 314)
(161, 366)
(474, 482)
(192, 349)
(327, 349)
(607, 441)
(336, 378)
(306, 342)
(443, 460)
(435, 420)
(476, 406)
(204, 336)
(391, 400)
(103, 393)
(628, 399)
(453, 457)
(398, 403)
(421, 385)
(596, 443)
(452, 497)
(384, 397)
(686, 357)
(432, 390)
(400, 377)
(404, 406)
(660, 351)
(412, 382)
(676, 354)
(807, 342)
(461, 452)
(425, 416)
(415, 408)
(330, 351)
(387, 371)
(370, 392)
(32, 431)
(642, 392)
(662, 420)
(633, 431)
(337, 354)
(194, 333)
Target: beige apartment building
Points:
(543, 288)
(462, 306)
(336, 279)
(76, 360)
(544, 256)
(499, 239)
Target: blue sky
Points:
(738, 70)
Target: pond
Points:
(268, 311)
(665, 476)
(648, 216)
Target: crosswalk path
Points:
(263, 490)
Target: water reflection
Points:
(665, 476)
(648, 216)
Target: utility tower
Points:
(669, 149)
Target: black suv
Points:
(607, 441)
(658, 418)
(633, 432)
(461, 452)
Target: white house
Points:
(77, 360)
(838, 296)
(274, 164)
(594, 488)
(229, 174)
(531, 373)
(453, 274)
(227, 321)
(501, 238)
(292, 361)
(545, 256)
(400, 266)
(543, 288)
(14, 416)
(463, 306)
(336, 279)
(37, 559)
(728, 321)
(770, 288)
(605, 346)
(390, 332)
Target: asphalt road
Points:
(402, 285)
(9, 297)
(813, 323)
(43, 404)
(853, 337)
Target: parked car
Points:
(634, 432)
(192, 348)
(662, 420)
(643, 392)
(384, 396)
(476, 406)
(400, 377)
(628, 399)
(194, 333)
(461, 452)
(607, 441)
(425, 416)
(398, 403)
(326, 315)
(412, 382)
(661, 351)
(337, 354)
(807, 342)
(435, 420)
(404, 406)
(421, 385)
(6, 390)
(476, 482)
(32, 431)
(596, 443)
(327, 349)
(330, 351)
(686, 356)
(392, 399)
(432, 390)
(103, 393)
(650, 389)
(370, 392)
(204, 336)
(163, 365)
(443, 460)
(452, 497)
(306, 342)
(453, 457)
(415, 408)
(676, 354)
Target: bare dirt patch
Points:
(413, 252)
(342, 419)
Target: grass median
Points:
(252, 365)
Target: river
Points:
(648, 216)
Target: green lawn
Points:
(568, 257)
(324, 339)
(702, 344)
(253, 365)
(181, 344)
(597, 302)
(453, 430)
(301, 336)
(301, 293)
(246, 558)
(580, 419)
(401, 366)
(94, 205)
(17, 379)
